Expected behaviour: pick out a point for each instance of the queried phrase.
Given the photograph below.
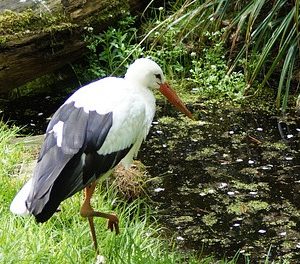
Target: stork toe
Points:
(113, 223)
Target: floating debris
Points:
(253, 193)
(267, 167)
(159, 189)
(222, 185)
(262, 231)
(259, 129)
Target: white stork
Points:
(100, 125)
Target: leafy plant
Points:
(109, 51)
(264, 35)
(209, 73)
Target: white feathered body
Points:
(121, 109)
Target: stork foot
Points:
(113, 223)
(87, 211)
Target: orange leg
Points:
(87, 211)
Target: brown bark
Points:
(32, 52)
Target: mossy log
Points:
(39, 37)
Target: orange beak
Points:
(174, 99)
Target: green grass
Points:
(65, 238)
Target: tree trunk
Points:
(42, 39)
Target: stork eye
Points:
(158, 76)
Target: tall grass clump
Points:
(10, 154)
(263, 37)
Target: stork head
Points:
(147, 73)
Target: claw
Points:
(113, 223)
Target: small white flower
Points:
(193, 54)
(160, 8)
(100, 259)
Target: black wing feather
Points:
(62, 171)
(74, 131)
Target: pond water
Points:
(227, 183)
